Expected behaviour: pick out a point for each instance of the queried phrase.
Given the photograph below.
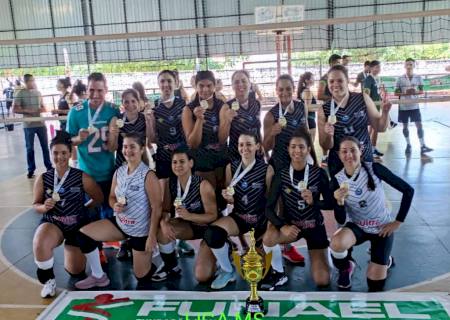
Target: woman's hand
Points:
(182, 213)
(118, 207)
(199, 113)
(307, 196)
(227, 197)
(276, 129)
(329, 129)
(49, 204)
(290, 231)
(389, 228)
(340, 195)
(150, 244)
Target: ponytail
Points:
(370, 181)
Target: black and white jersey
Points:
(280, 156)
(69, 213)
(139, 126)
(210, 153)
(168, 127)
(352, 120)
(134, 220)
(250, 193)
(247, 120)
(364, 207)
(295, 209)
(193, 201)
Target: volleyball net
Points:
(293, 35)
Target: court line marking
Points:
(23, 306)
(5, 260)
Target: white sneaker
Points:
(49, 289)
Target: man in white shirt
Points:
(410, 86)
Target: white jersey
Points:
(135, 217)
(364, 207)
(404, 83)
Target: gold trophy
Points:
(253, 270)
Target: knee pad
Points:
(375, 285)
(45, 275)
(406, 132)
(420, 133)
(86, 243)
(215, 237)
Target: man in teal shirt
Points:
(92, 125)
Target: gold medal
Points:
(332, 119)
(177, 202)
(345, 186)
(302, 185)
(235, 106)
(204, 104)
(55, 196)
(122, 200)
(120, 123)
(230, 191)
(282, 121)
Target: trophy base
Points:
(254, 307)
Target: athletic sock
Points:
(168, 255)
(422, 142)
(93, 259)
(223, 258)
(340, 259)
(45, 265)
(277, 260)
(45, 270)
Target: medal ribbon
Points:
(91, 118)
(237, 177)
(280, 109)
(186, 190)
(57, 186)
(333, 108)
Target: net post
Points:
(278, 49)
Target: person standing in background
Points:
(362, 75)
(28, 102)
(409, 86)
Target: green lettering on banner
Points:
(158, 306)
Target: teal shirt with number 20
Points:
(93, 155)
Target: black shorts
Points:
(197, 229)
(311, 122)
(69, 232)
(163, 169)
(245, 227)
(135, 243)
(316, 237)
(210, 160)
(412, 115)
(380, 248)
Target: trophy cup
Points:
(253, 270)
